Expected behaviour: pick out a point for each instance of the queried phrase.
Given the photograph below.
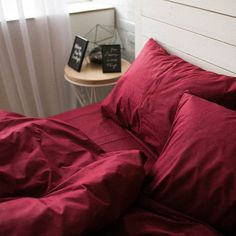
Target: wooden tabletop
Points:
(91, 75)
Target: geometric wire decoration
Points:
(103, 34)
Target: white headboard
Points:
(202, 32)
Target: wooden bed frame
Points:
(201, 32)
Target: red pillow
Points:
(196, 172)
(145, 98)
(83, 203)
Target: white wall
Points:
(125, 22)
(201, 32)
(84, 22)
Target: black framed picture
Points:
(77, 53)
(111, 58)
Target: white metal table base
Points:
(88, 95)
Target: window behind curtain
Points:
(74, 1)
(10, 9)
(11, 12)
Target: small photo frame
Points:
(77, 53)
(111, 58)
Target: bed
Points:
(155, 157)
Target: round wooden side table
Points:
(90, 78)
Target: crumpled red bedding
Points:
(56, 181)
(148, 217)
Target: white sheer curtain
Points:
(33, 52)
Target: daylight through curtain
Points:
(34, 45)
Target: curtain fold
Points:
(33, 53)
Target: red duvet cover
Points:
(54, 180)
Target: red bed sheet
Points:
(56, 181)
(105, 132)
